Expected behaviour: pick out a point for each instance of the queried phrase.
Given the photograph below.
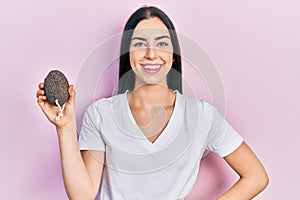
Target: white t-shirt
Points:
(167, 169)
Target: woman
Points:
(150, 137)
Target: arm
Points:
(253, 177)
(81, 172)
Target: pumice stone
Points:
(56, 88)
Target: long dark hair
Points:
(174, 79)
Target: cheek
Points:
(168, 58)
(131, 58)
(135, 57)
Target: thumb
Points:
(72, 93)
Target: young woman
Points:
(147, 141)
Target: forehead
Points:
(151, 27)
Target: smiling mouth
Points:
(151, 68)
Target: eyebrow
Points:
(157, 38)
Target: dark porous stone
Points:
(56, 87)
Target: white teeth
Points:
(152, 67)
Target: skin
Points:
(82, 172)
(151, 45)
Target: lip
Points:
(151, 68)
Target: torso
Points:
(152, 169)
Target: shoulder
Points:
(201, 104)
(104, 104)
(107, 101)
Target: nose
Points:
(151, 53)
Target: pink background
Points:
(255, 46)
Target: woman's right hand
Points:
(81, 172)
(52, 111)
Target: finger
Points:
(40, 93)
(41, 100)
(72, 92)
(41, 86)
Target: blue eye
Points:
(162, 44)
(139, 44)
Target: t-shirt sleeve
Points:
(222, 138)
(90, 135)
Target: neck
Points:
(151, 94)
